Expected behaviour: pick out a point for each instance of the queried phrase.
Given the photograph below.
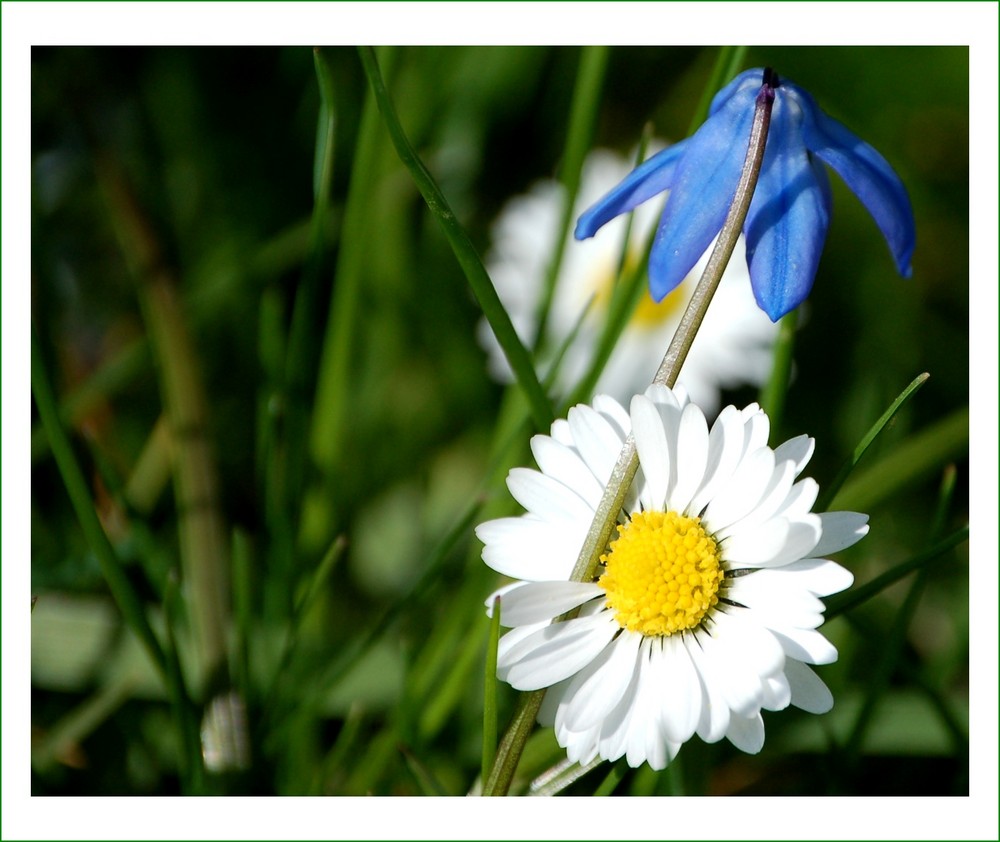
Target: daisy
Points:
(705, 607)
(733, 346)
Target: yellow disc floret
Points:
(662, 573)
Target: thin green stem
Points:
(831, 490)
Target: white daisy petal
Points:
(596, 439)
(746, 733)
(547, 498)
(538, 601)
(714, 719)
(680, 691)
(805, 645)
(777, 692)
(772, 501)
(799, 450)
(596, 690)
(725, 449)
(692, 455)
(557, 651)
(654, 454)
(743, 491)
(527, 548)
(501, 593)
(819, 576)
(809, 693)
(614, 413)
(563, 464)
(840, 531)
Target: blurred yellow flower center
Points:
(662, 573)
(648, 314)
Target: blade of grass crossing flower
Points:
(582, 119)
(490, 693)
(772, 396)
(916, 457)
(830, 491)
(839, 603)
(517, 355)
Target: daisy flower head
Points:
(733, 346)
(705, 608)
(789, 214)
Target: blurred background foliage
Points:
(263, 351)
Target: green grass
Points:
(263, 428)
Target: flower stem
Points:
(624, 471)
(628, 460)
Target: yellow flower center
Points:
(648, 314)
(662, 573)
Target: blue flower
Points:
(788, 217)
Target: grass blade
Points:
(830, 491)
(490, 693)
(517, 355)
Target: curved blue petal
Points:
(788, 218)
(749, 79)
(868, 175)
(702, 189)
(651, 177)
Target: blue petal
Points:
(701, 191)
(651, 177)
(788, 218)
(868, 175)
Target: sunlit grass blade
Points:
(582, 119)
(517, 355)
(840, 603)
(490, 693)
(830, 490)
(918, 456)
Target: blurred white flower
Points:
(732, 348)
